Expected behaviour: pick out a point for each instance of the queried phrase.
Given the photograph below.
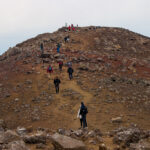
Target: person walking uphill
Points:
(70, 72)
(49, 69)
(83, 113)
(60, 65)
(66, 39)
(42, 48)
(56, 83)
(58, 47)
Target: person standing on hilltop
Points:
(83, 113)
(70, 72)
(69, 28)
(56, 83)
(73, 28)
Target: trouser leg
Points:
(57, 50)
(84, 123)
(60, 68)
(57, 89)
(81, 122)
(70, 76)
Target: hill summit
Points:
(111, 76)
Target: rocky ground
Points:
(112, 77)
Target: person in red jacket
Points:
(69, 28)
(73, 28)
(60, 65)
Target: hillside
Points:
(111, 76)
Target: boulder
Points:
(140, 146)
(45, 55)
(116, 120)
(2, 124)
(17, 145)
(35, 138)
(62, 142)
(60, 56)
(28, 81)
(128, 136)
(78, 133)
(83, 67)
(46, 60)
(14, 51)
(92, 133)
(102, 147)
(8, 136)
(21, 130)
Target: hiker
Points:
(80, 117)
(50, 69)
(73, 28)
(58, 47)
(70, 72)
(66, 39)
(57, 82)
(83, 113)
(42, 48)
(69, 28)
(60, 65)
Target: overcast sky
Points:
(24, 19)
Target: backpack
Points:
(84, 111)
(60, 63)
(50, 68)
(70, 70)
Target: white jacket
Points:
(78, 114)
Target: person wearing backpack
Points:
(60, 65)
(70, 72)
(66, 39)
(50, 69)
(56, 83)
(83, 113)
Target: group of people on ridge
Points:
(71, 28)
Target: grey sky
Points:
(23, 19)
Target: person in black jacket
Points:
(83, 113)
(70, 72)
(56, 83)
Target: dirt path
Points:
(67, 84)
